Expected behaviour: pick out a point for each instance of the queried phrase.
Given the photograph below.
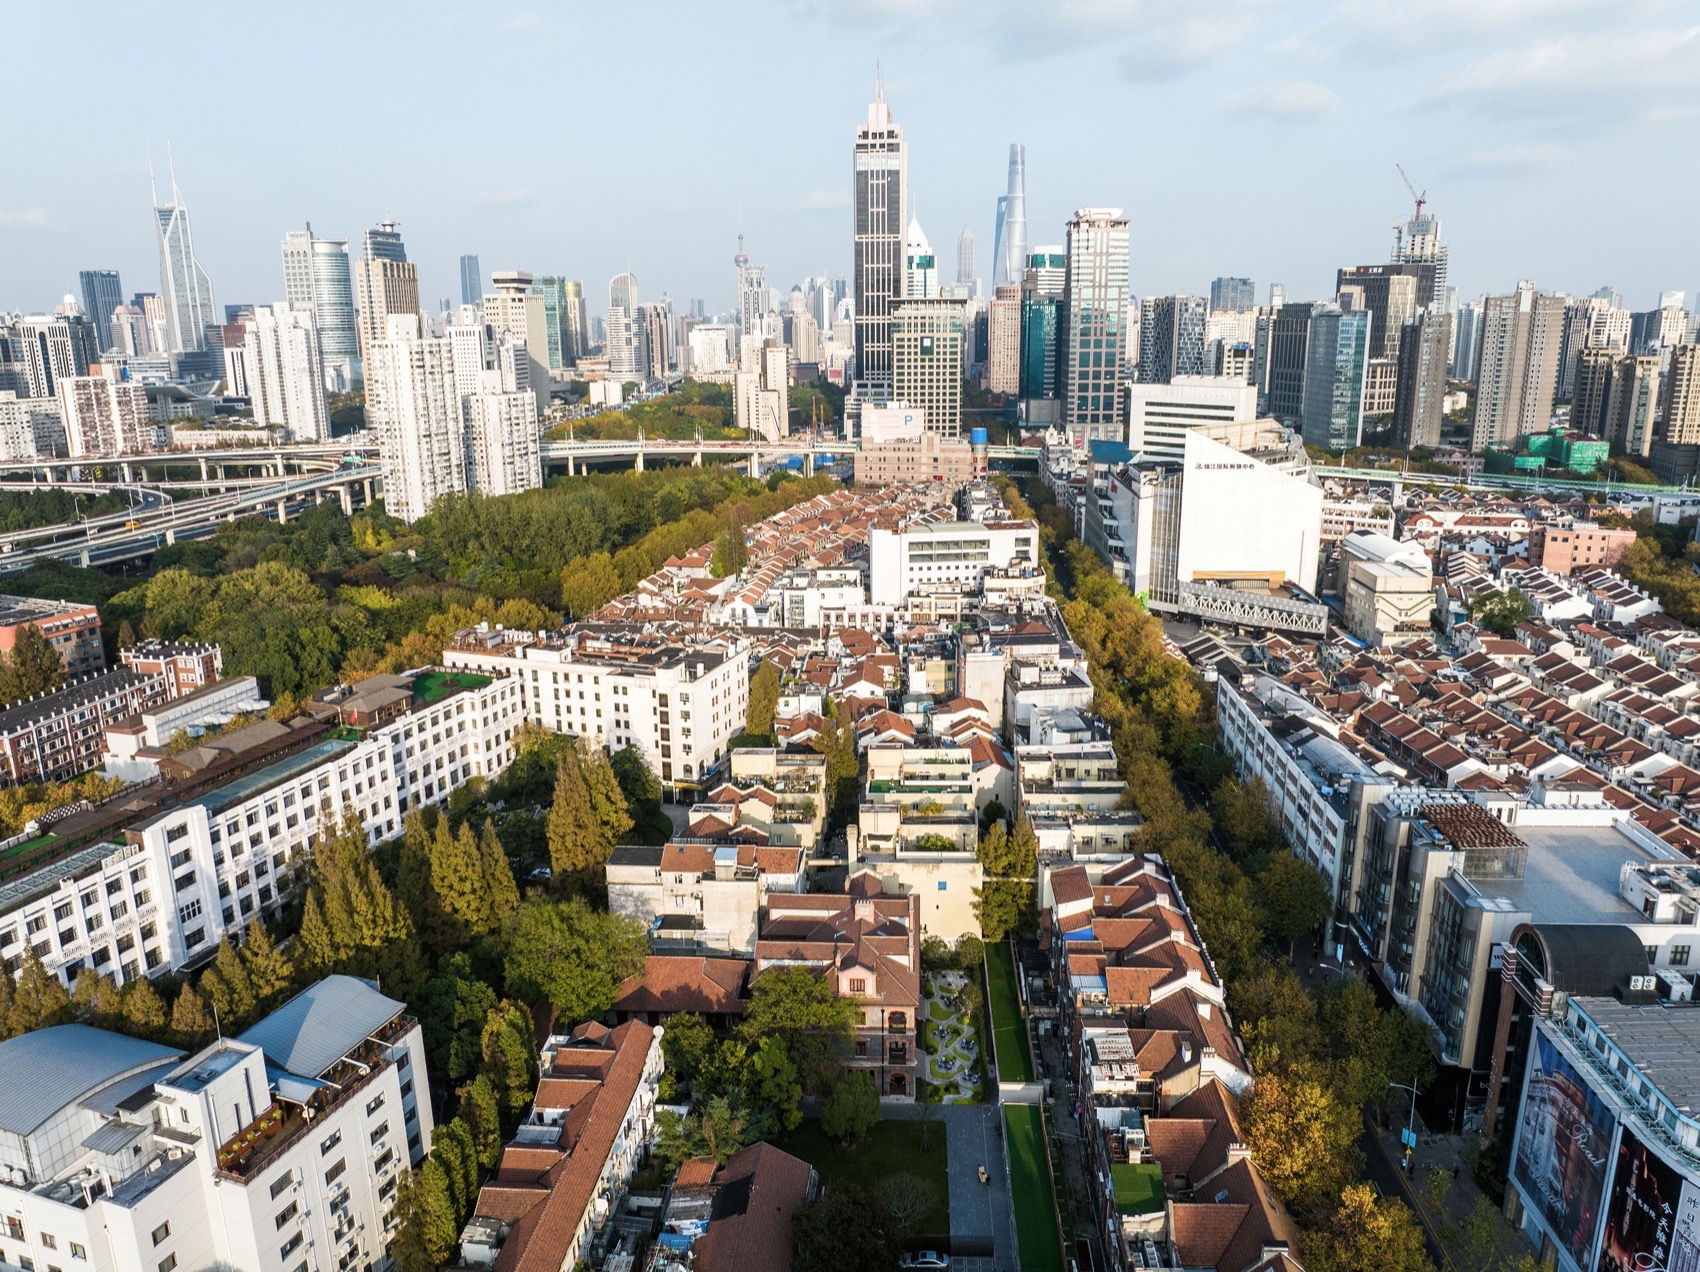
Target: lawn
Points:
(432, 687)
(1036, 1234)
(1009, 1031)
(891, 1148)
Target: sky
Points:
(1558, 140)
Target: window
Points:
(50, 1241)
(167, 1263)
(335, 1172)
(383, 1130)
(162, 1232)
(858, 984)
(286, 1214)
(374, 1104)
(1679, 955)
(77, 1251)
(332, 1142)
(289, 1247)
(282, 1182)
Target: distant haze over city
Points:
(1241, 138)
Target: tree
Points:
(454, 1004)
(191, 1026)
(678, 1138)
(144, 1012)
(452, 1146)
(731, 553)
(32, 666)
(510, 1064)
(1294, 898)
(1003, 906)
(482, 1109)
(426, 1236)
(227, 987)
(764, 700)
(500, 891)
(39, 998)
(910, 1198)
(267, 966)
(637, 784)
(777, 1086)
(1501, 611)
(852, 1109)
(1367, 1234)
(686, 1041)
(589, 813)
(351, 922)
(589, 583)
(847, 1229)
(837, 741)
(96, 999)
(572, 955)
(1300, 1134)
(799, 1007)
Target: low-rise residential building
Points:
(259, 1151)
(59, 735)
(1581, 545)
(71, 628)
(1388, 588)
(700, 895)
(550, 1202)
(186, 666)
(946, 556)
(736, 1217)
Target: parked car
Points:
(924, 1259)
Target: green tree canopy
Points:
(797, 1005)
(764, 700)
(848, 1229)
(1501, 611)
(852, 1109)
(30, 667)
(572, 955)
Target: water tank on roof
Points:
(977, 436)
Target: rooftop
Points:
(47, 1069)
(1662, 1040)
(321, 1024)
(1571, 875)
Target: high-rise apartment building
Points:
(1417, 242)
(517, 308)
(1095, 346)
(1681, 409)
(415, 411)
(184, 288)
(1617, 398)
(471, 281)
(1336, 360)
(102, 293)
(130, 334)
(1003, 341)
(1232, 294)
(926, 356)
(1467, 340)
(1009, 248)
(104, 417)
(965, 258)
(1425, 356)
(1391, 294)
(316, 276)
(1171, 338)
(761, 391)
(503, 437)
(386, 282)
(1518, 374)
(280, 359)
(657, 321)
(920, 266)
(46, 348)
(626, 357)
(880, 207)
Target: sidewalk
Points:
(1467, 1223)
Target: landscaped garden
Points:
(948, 1040)
(893, 1155)
(1036, 1233)
(1009, 1031)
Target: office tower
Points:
(184, 288)
(1617, 398)
(1095, 319)
(1417, 243)
(657, 321)
(753, 301)
(1391, 294)
(1520, 340)
(965, 258)
(575, 322)
(802, 336)
(1289, 349)
(880, 186)
(1232, 294)
(387, 282)
(130, 332)
(1160, 416)
(556, 331)
(626, 357)
(1042, 290)
(104, 417)
(1425, 355)
(515, 307)
(1003, 341)
(1336, 360)
(102, 293)
(1681, 408)
(504, 441)
(415, 412)
(920, 266)
(926, 357)
(471, 281)
(761, 391)
(316, 276)
(1171, 338)
(1467, 341)
(1009, 248)
(282, 368)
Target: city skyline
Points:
(1315, 185)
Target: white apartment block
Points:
(284, 373)
(414, 409)
(105, 417)
(29, 427)
(946, 556)
(278, 1151)
(505, 442)
(160, 892)
(1159, 416)
(678, 706)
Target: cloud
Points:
(1572, 76)
(1518, 157)
(27, 219)
(1286, 99)
(1171, 52)
(501, 198)
(822, 201)
(1423, 26)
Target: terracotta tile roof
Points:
(757, 1195)
(672, 983)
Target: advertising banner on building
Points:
(1563, 1147)
(1650, 1219)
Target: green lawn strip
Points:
(434, 686)
(891, 1148)
(1036, 1232)
(1015, 1062)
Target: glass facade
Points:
(1335, 363)
(1095, 344)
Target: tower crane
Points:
(1421, 198)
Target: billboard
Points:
(1650, 1220)
(1563, 1149)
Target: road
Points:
(979, 1213)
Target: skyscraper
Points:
(102, 293)
(554, 292)
(1009, 248)
(1289, 347)
(415, 411)
(1681, 409)
(471, 281)
(184, 287)
(1417, 242)
(1171, 338)
(880, 198)
(752, 295)
(625, 332)
(965, 258)
(1425, 353)
(1617, 397)
(1232, 295)
(316, 276)
(1521, 334)
(1391, 294)
(1096, 322)
(387, 282)
(926, 357)
(1042, 290)
(575, 323)
(1336, 359)
(1003, 341)
(1467, 341)
(282, 371)
(920, 266)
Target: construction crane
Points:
(1421, 198)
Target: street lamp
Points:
(1410, 1123)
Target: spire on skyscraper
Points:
(1009, 250)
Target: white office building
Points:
(283, 373)
(316, 278)
(1159, 416)
(274, 1151)
(946, 556)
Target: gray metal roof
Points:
(321, 1024)
(47, 1069)
(1662, 1040)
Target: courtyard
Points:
(949, 1044)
